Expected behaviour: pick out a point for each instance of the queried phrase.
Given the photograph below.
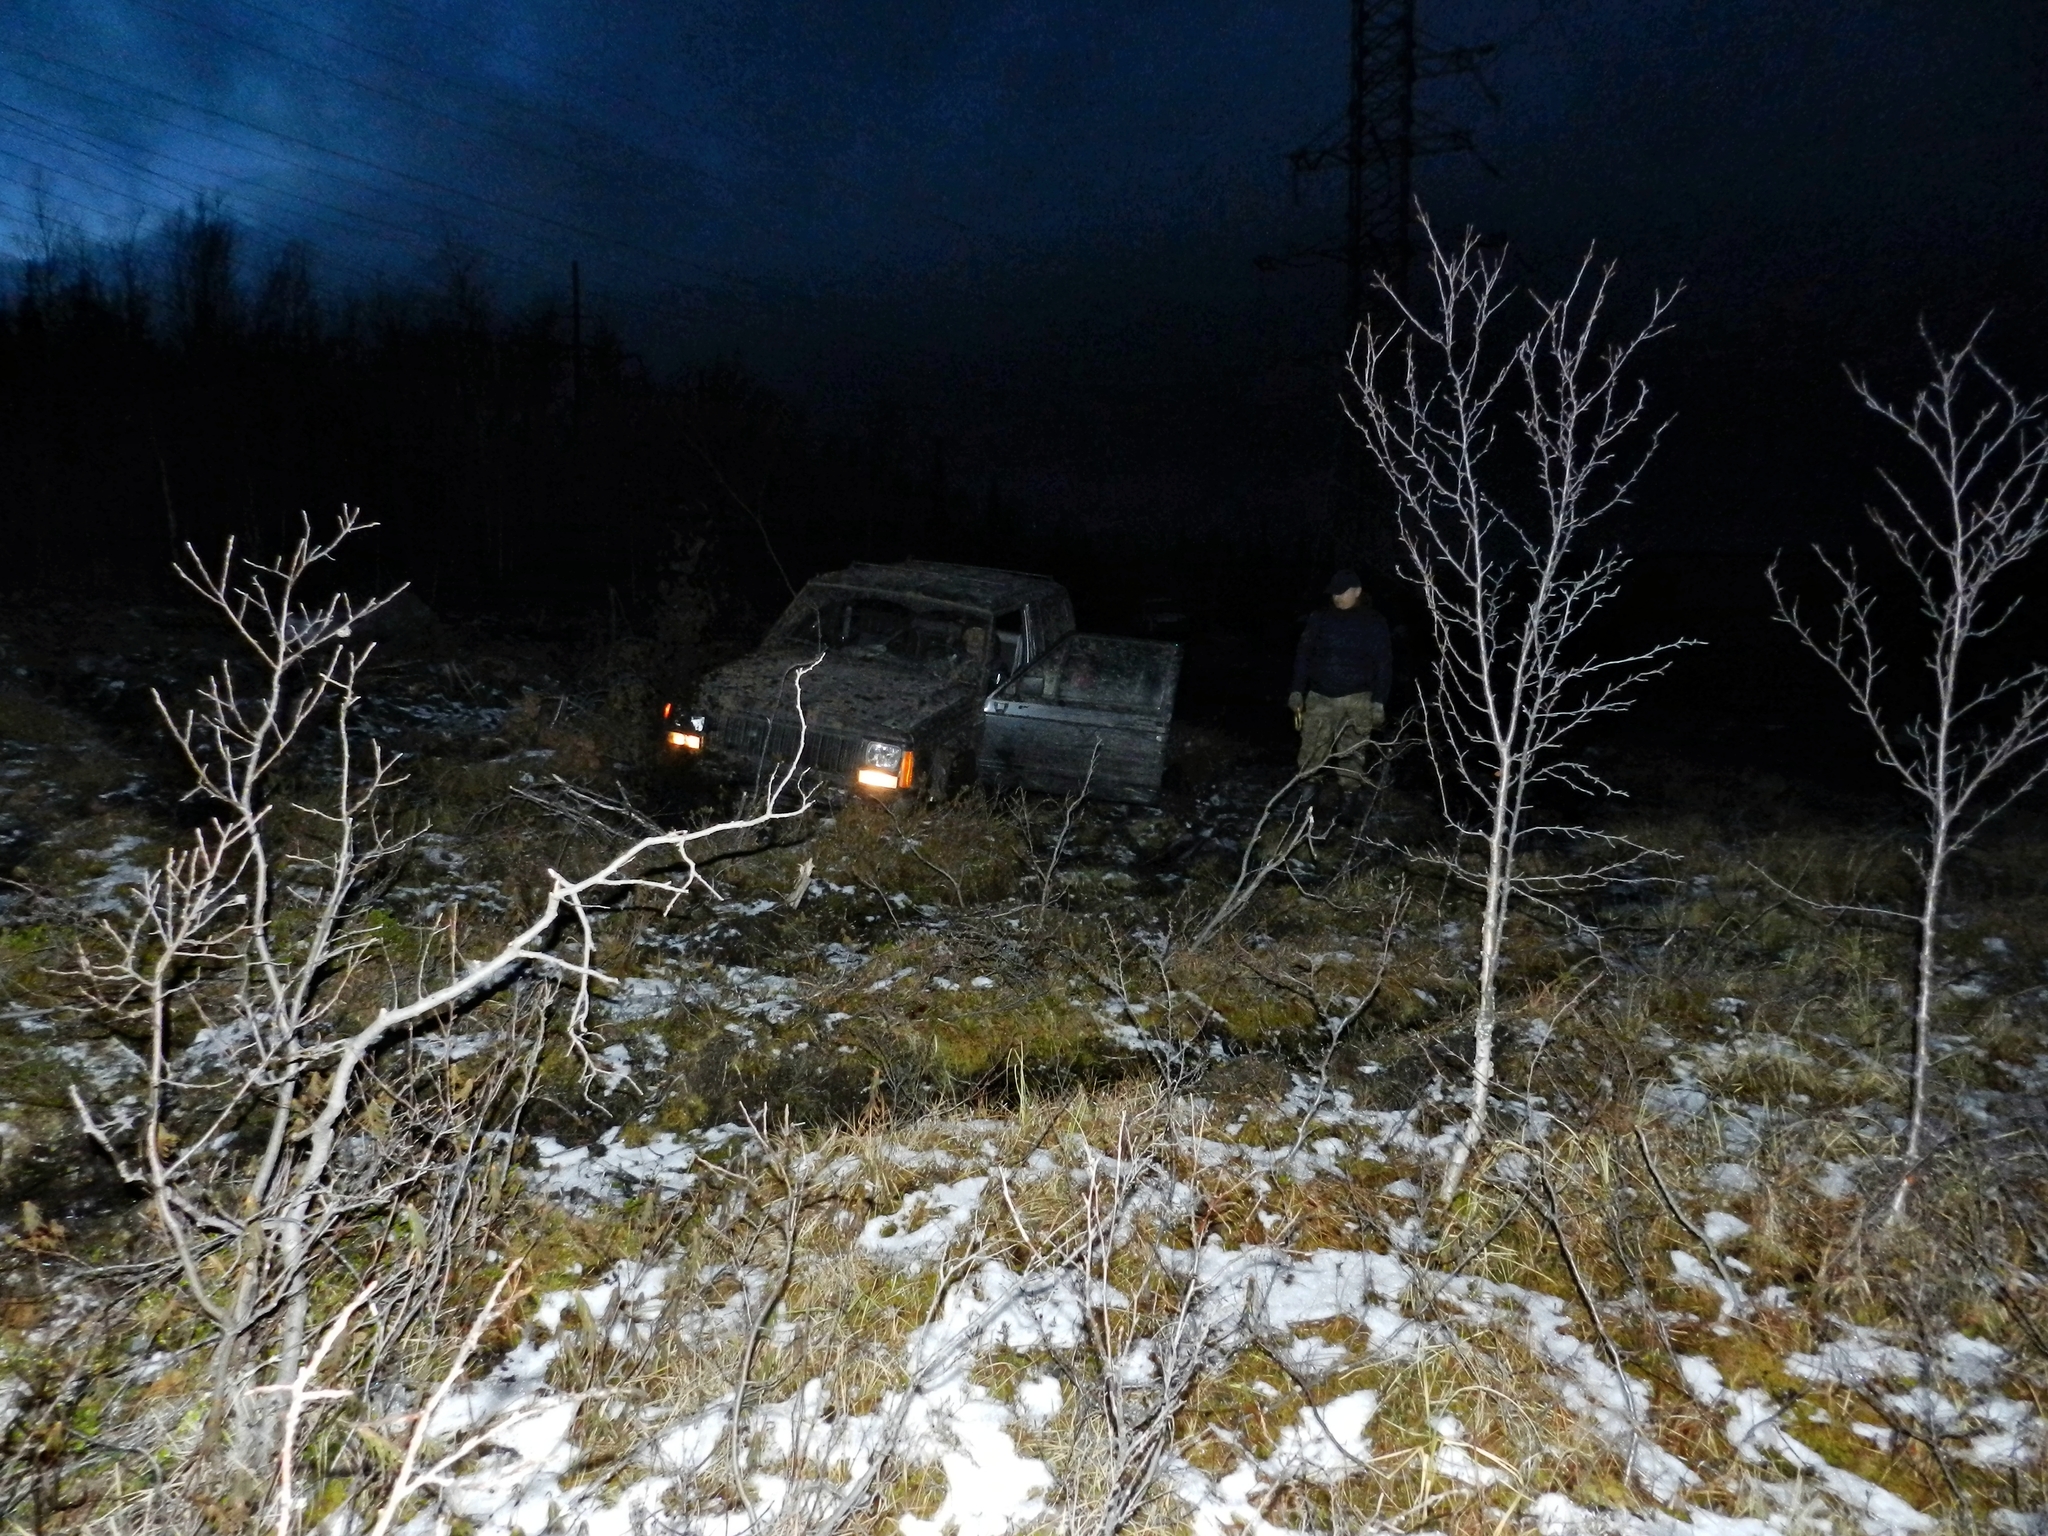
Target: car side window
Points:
(1009, 647)
(1051, 620)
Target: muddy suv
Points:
(921, 676)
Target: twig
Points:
(1671, 1205)
(959, 900)
(404, 1485)
(1843, 908)
(1300, 828)
(764, 1313)
(1571, 1263)
(299, 1392)
(1048, 873)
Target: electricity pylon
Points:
(1380, 137)
(1383, 134)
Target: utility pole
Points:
(1383, 135)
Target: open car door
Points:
(1091, 713)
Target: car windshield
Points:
(876, 626)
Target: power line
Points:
(414, 103)
(349, 216)
(97, 186)
(737, 285)
(395, 172)
(346, 221)
(604, 86)
(31, 214)
(740, 195)
(340, 220)
(65, 137)
(735, 191)
(343, 219)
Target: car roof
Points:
(974, 586)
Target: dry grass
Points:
(1785, 1017)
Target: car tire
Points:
(951, 769)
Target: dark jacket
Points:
(1344, 651)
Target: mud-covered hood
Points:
(850, 693)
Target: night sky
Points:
(1031, 218)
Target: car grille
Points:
(758, 743)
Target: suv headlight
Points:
(884, 765)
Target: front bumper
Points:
(752, 747)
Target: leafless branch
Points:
(1503, 565)
(237, 967)
(1964, 749)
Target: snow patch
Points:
(922, 1228)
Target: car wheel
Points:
(952, 769)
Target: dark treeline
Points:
(185, 388)
(177, 391)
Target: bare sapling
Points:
(274, 1014)
(1497, 537)
(1964, 746)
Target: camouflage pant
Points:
(1335, 732)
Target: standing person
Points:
(1343, 669)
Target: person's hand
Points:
(1294, 708)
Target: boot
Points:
(1329, 798)
(1354, 807)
